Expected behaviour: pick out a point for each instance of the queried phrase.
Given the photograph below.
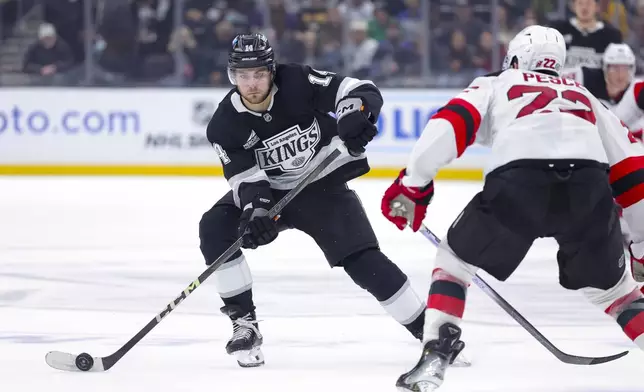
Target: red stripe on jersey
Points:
(446, 304)
(631, 196)
(635, 327)
(626, 167)
(465, 120)
(637, 90)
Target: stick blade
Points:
(575, 360)
(67, 362)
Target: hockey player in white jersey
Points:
(615, 85)
(559, 161)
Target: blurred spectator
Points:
(483, 58)
(314, 16)
(465, 21)
(49, 57)
(281, 21)
(506, 30)
(67, 18)
(217, 49)
(138, 41)
(378, 25)
(586, 36)
(396, 56)
(116, 46)
(361, 10)
(614, 12)
(636, 38)
(331, 37)
(460, 56)
(360, 51)
(411, 18)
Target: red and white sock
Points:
(445, 304)
(629, 313)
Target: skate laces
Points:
(244, 327)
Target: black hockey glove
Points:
(354, 125)
(255, 227)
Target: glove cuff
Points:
(350, 104)
(422, 195)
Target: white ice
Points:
(86, 262)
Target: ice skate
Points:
(429, 372)
(245, 344)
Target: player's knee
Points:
(214, 236)
(447, 261)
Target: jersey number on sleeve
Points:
(546, 95)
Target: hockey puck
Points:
(84, 362)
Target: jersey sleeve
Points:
(244, 176)
(328, 88)
(626, 159)
(635, 111)
(450, 131)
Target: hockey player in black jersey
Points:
(586, 36)
(615, 85)
(269, 131)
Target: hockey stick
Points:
(496, 297)
(85, 362)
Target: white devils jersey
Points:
(529, 115)
(629, 107)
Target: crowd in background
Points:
(186, 42)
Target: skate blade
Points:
(249, 358)
(420, 386)
(461, 361)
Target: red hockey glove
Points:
(404, 205)
(637, 260)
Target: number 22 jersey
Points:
(524, 115)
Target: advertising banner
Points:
(162, 131)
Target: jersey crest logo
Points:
(252, 140)
(267, 117)
(289, 150)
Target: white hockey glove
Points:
(637, 260)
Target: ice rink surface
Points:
(86, 262)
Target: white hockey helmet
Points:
(537, 48)
(619, 54)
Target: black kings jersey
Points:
(586, 47)
(274, 149)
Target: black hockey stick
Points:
(496, 297)
(85, 362)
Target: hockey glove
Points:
(255, 226)
(354, 125)
(404, 205)
(637, 260)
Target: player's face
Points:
(585, 10)
(618, 75)
(253, 83)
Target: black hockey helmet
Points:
(250, 51)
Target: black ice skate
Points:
(429, 372)
(246, 340)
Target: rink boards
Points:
(146, 131)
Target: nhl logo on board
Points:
(267, 117)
